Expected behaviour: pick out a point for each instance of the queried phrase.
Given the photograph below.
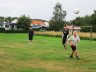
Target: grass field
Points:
(45, 54)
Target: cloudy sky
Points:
(43, 9)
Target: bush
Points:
(2, 30)
(14, 31)
(83, 35)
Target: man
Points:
(64, 36)
(30, 34)
(73, 40)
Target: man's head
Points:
(75, 34)
(65, 27)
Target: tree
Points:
(78, 21)
(7, 19)
(88, 20)
(93, 21)
(57, 21)
(24, 22)
(1, 19)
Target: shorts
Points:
(30, 37)
(73, 48)
(63, 41)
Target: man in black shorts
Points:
(64, 36)
(30, 34)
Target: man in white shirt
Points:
(73, 40)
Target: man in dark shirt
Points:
(30, 34)
(64, 36)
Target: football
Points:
(76, 11)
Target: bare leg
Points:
(76, 55)
(71, 56)
(30, 42)
(64, 43)
(64, 46)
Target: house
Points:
(35, 23)
(75, 28)
(5, 25)
(14, 24)
(1, 25)
(38, 23)
(9, 26)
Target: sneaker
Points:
(71, 56)
(77, 58)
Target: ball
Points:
(76, 11)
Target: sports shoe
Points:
(71, 56)
(77, 58)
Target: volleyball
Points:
(76, 11)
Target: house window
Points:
(7, 26)
(1, 25)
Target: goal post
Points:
(87, 29)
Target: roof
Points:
(14, 21)
(7, 23)
(38, 21)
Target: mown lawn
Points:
(45, 54)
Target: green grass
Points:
(45, 54)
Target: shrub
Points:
(2, 30)
(83, 35)
(14, 31)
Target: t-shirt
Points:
(65, 33)
(74, 40)
(31, 32)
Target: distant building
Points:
(35, 23)
(9, 26)
(75, 28)
(38, 23)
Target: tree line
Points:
(7, 19)
(88, 20)
(22, 21)
(57, 21)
